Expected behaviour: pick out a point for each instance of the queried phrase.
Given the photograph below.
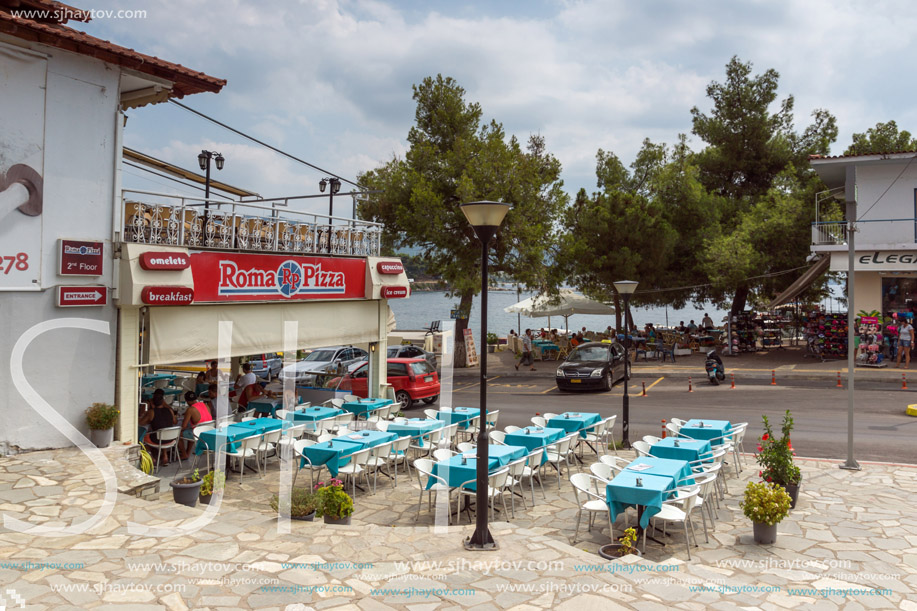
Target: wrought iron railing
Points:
(258, 226)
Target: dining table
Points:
(233, 432)
(623, 491)
(677, 448)
(679, 470)
(151, 378)
(458, 415)
(711, 430)
(146, 393)
(415, 427)
(362, 407)
(571, 422)
(266, 405)
(462, 468)
(313, 413)
(534, 437)
(337, 452)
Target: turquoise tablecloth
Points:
(454, 472)
(458, 415)
(535, 439)
(342, 448)
(155, 377)
(265, 405)
(678, 470)
(578, 421)
(311, 414)
(147, 393)
(214, 438)
(364, 406)
(415, 427)
(712, 429)
(687, 450)
(622, 492)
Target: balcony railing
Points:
(834, 233)
(257, 226)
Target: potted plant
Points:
(492, 341)
(334, 505)
(212, 483)
(765, 505)
(626, 545)
(185, 490)
(303, 504)
(101, 418)
(775, 456)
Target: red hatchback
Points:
(412, 380)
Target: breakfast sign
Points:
(228, 277)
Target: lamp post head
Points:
(485, 217)
(335, 185)
(220, 160)
(202, 159)
(322, 184)
(626, 287)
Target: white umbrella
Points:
(566, 304)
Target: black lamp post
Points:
(204, 161)
(486, 218)
(626, 288)
(335, 187)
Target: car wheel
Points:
(404, 399)
(607, 381)
(431, 400)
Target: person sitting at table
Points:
(162, 417)
(681, 328)
(707, 322)
(692, 328)
(246, 377)
(253, 391)
(213, 374)
(197, 413)
(200, 383)
(609, 332)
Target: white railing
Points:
(829, 233)
(258, 226)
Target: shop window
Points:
(899, 295)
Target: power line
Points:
(184, 184)
(900, 174)
(266, 145)
(699, 286)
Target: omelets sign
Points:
(244, 277)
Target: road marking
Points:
(656, 382)
(548, 390)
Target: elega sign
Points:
(877, 260)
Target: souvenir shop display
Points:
(744, 333)
(870, 352)
(770, 332)
(826, 335)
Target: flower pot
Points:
(205, 499)
(186, 494)
(612, 551)
(764, 533)
(793, 491)
(102, 438)
(310, 517)
(491, 347)
(330, 520)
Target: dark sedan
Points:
(592, 365)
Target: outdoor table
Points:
(678, 470)
(575, 421)
(232, 433)
(712, 430)
(265, 405)
(151, 378)
(201, 388)
(147, 393)
(455, 473)
(623, 491)
(363, 406)
(458, 415)
(338, 453)
(415, 427)
(311, 414)
(535, 438)
(690, 450)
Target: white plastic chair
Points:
(355, 467)
(400, 455)
(511, 429)
(539, 421)
(586, 491)
(497, 437)
(602, 471)
(293, 434)
(380, 456)
(245, 448)
(516, 473)
(595, 438)
(616, 463)
(167, 439)
(431, 413)
(651, 439)
(424, 467)
(679, 510)
(496, 485)
(559, 454)
(465, 446)
(382, 425)
(492, 418)
(442, 454)
(642, 448)
(532, 472)
(299, 453)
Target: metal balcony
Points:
(252, 226)
(829, 234)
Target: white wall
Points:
(70, 369)
(896, 203)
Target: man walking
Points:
(905, 337)
(526, 351)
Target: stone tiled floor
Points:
(851, 532)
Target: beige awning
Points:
(801, 283)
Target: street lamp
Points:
(486, 218)
(335, 187)
(204, 161)
(626, 288)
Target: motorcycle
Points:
(716, 372)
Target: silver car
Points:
(301, 372)
(408, 351)
(266, 366)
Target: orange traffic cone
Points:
(689, 385)
(732, 378)
(839, 385)
(644, 390)
(903, 381)
(663, 428)
(773, 378)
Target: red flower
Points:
(764, 437)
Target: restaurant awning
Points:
(801, 283)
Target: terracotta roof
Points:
(873, 154)
(186, 81)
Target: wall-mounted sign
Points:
(394, 292)
(389, 267)
(222, 277)
(76, 296)
(167, 295)
(877, 260)
(165, 261)
(80, 258)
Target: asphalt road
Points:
(882, 431)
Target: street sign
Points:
(77, 296)
(78, 258)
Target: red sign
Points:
(394, 292)
(167, 295)
(75, 296)
(166, 261)
(223, 277)
(80, 258)
(389, 267)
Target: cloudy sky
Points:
(330, 80)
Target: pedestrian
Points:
(707, 323)
(905, 338)
(526, 351)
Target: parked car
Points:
(266, 366)
(411, 379)
(408, 351)
(592, 365)
(319, 359)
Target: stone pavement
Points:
(851, 542)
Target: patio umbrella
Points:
(566, 304)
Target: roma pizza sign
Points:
(223, 277)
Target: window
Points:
(392, 352)
(413, 352)
(591, 353)
(397, 370)
(362, 372)
(321, 356)
(421, 368)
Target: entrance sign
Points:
(76, 296)
(80, 258)
(226, 277)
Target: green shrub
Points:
(302, 502)
(333, 501)
(101, 416)
(765, 503)
(213, 482)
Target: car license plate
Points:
(575, 381)
(428, 378)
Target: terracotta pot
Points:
(330, 520)
(764, 533)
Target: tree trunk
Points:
(739, 300)
(460, 325)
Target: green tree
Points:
(883, 138)
(454, 158)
